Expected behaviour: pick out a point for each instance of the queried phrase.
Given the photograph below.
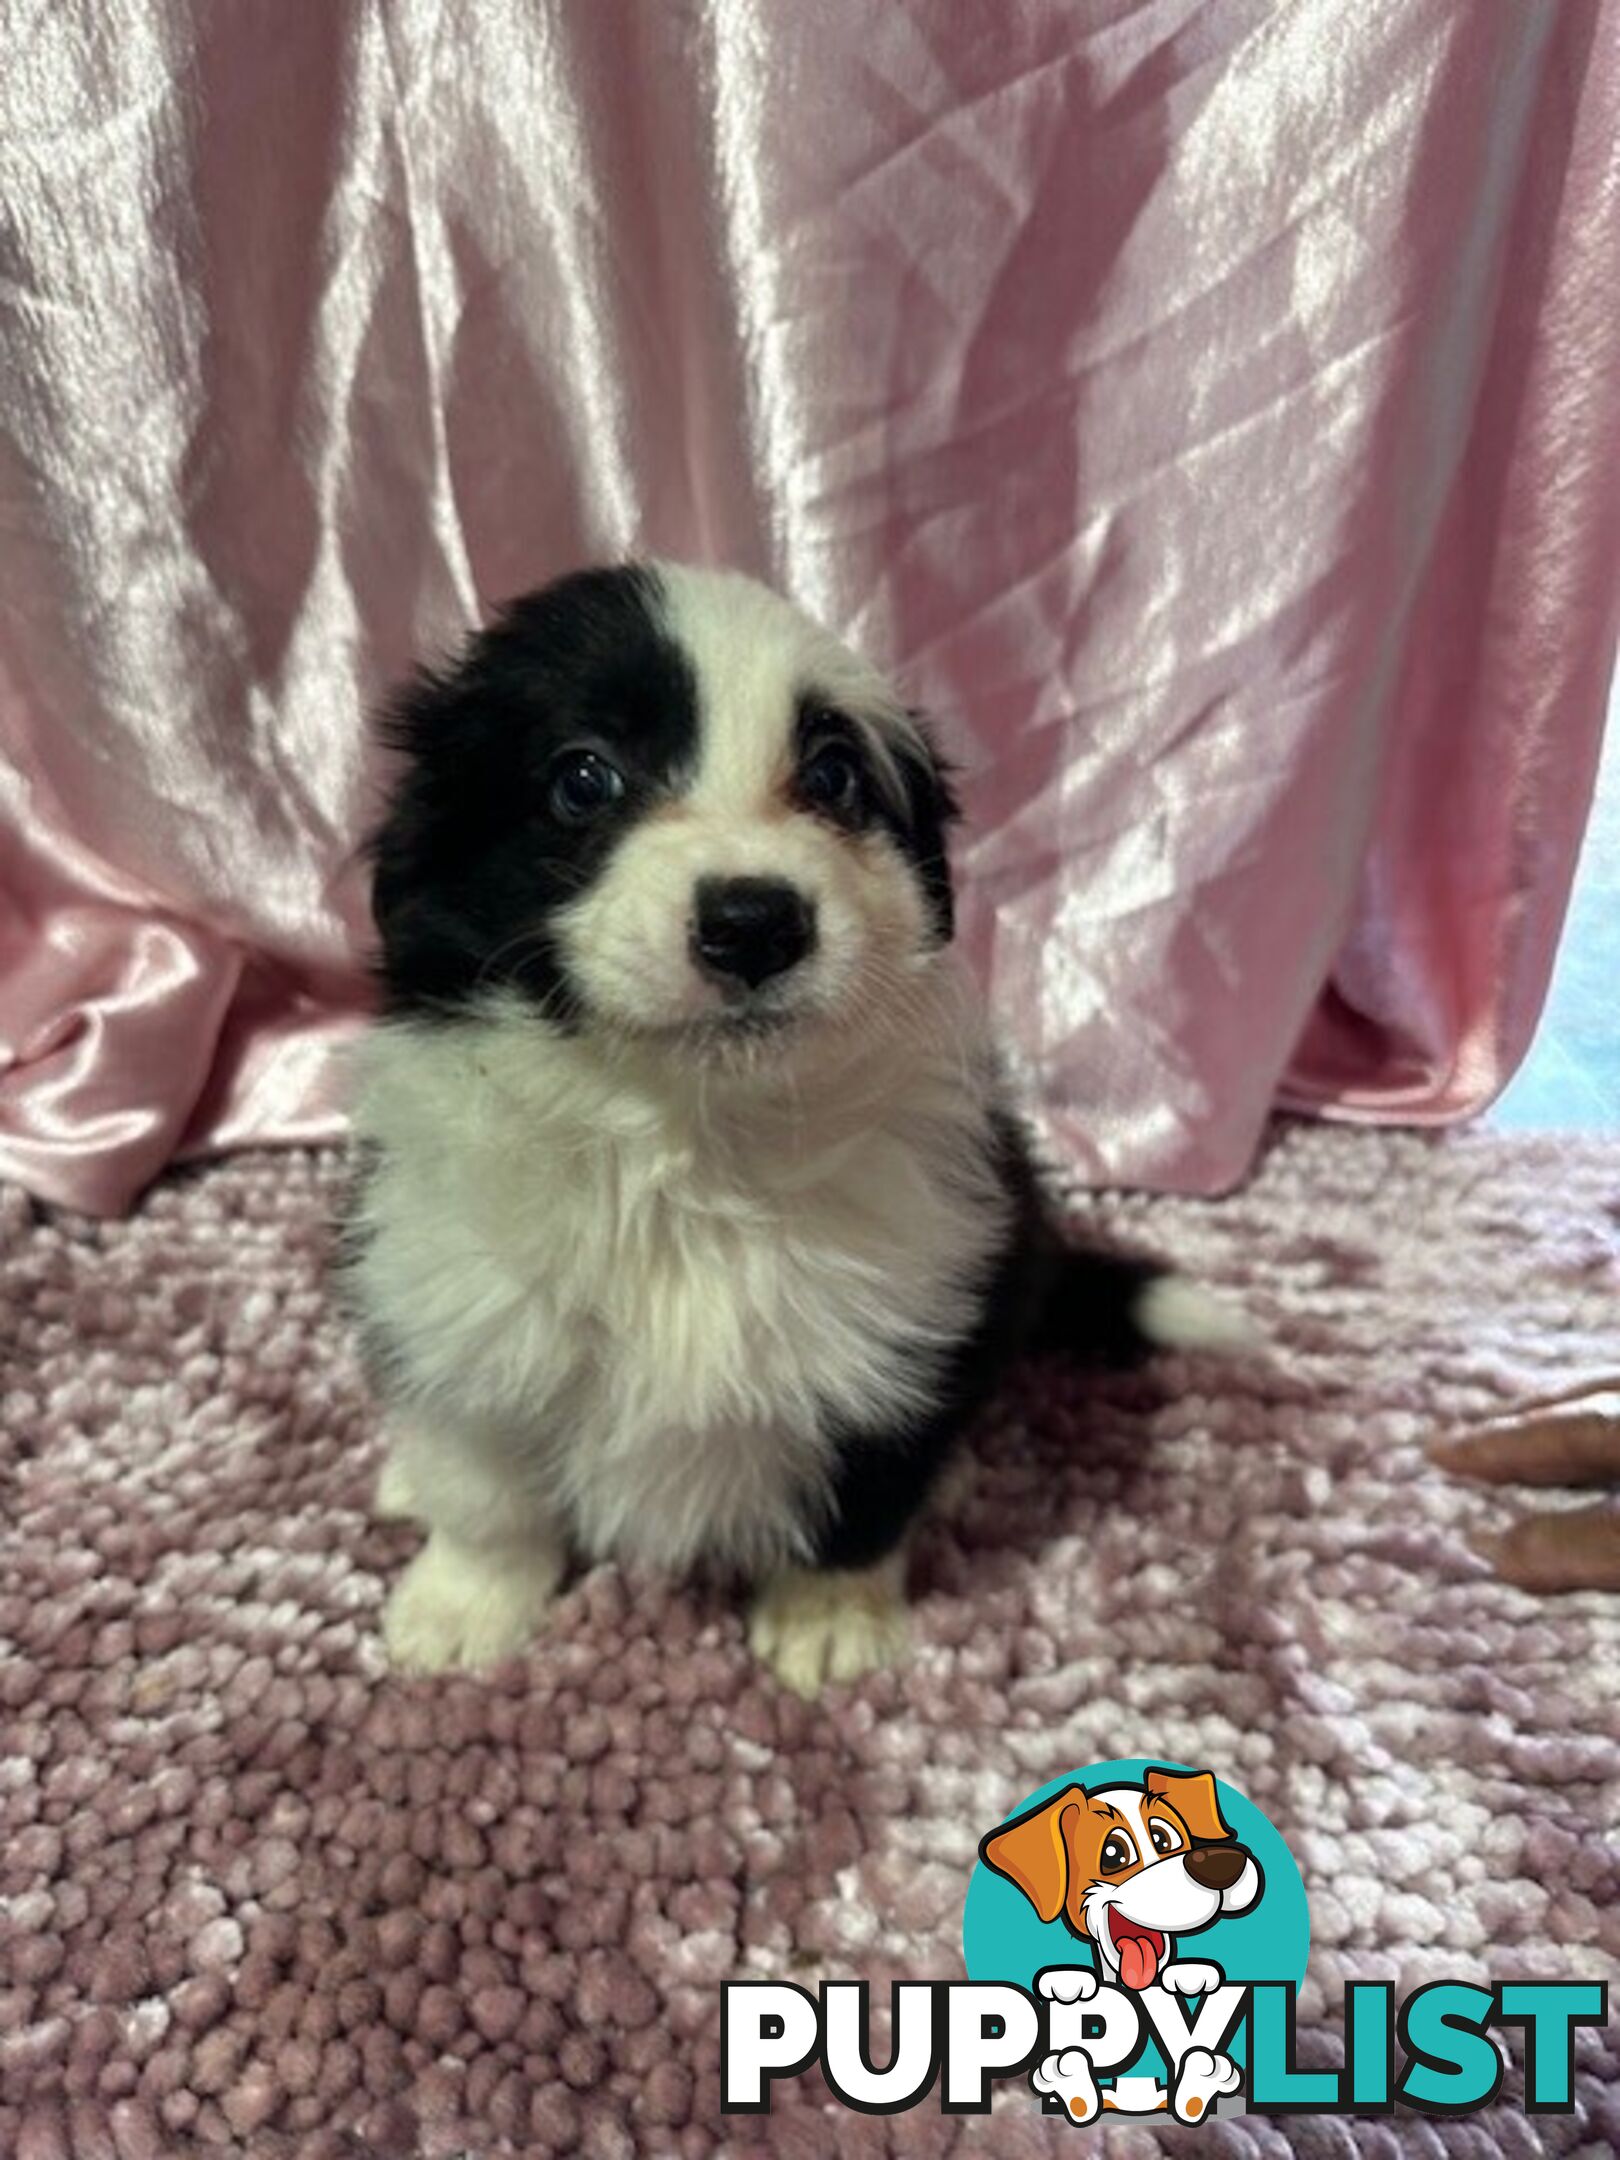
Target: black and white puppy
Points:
(691, 1227)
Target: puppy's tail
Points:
(1102, 1308)
(1110, 1309)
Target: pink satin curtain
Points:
(1212, 410)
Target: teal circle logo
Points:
(1135, 1896)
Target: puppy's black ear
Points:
(931, 810)
(440, 731)
(409, 726)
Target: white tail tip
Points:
(1179, 1314)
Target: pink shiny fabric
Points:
(1210, 410)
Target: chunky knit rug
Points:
(257, 1895)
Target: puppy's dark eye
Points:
(582, 786)
(831, 780)
(1118, 1852)
(1164, 1838)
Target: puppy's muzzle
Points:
(1216, 1867)
(747, 929)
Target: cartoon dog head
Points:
(1128, 1867)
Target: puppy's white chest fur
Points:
(651, 1312)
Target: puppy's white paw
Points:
(1070, 2079)
(456, 1606)
(813, 1627)
(1191, 1976)
(1202, 2077)
(1067, 1983)
(395, 1497)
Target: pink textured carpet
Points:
(258, 1895)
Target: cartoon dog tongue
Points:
(1138, 1955)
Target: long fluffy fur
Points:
(658, 1299)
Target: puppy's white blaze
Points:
(1179, 1314)
(749, 645)
(752, 655)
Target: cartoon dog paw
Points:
(1191, 1976)
(1067, 1983)
(1070, 2079)
(1201, 2079)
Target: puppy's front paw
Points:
(459, 1606)
(834, 1624)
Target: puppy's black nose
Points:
(750, 928)
(1216, 1867)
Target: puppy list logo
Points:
(1134, 1937)
(1178, 1894)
